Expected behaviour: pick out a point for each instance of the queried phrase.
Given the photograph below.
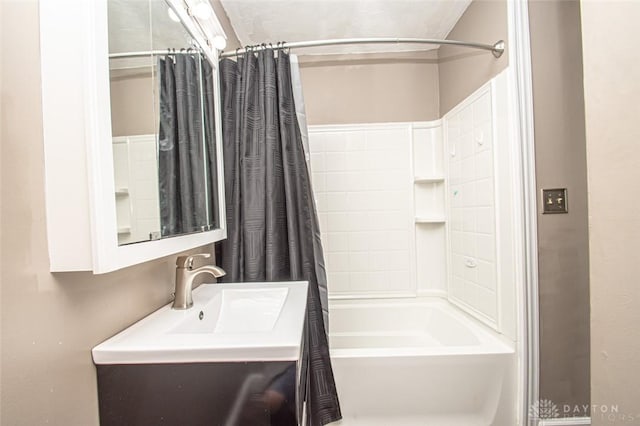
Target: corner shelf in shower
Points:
(430, 220)
(429, 185)
(428, 179)
(122, 191)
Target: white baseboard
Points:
(566, 421)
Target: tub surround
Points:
(481, 202)
(470, 150)
(429, 208)
(426, 326)
(361, 181)
(422, 209)
(380, 194)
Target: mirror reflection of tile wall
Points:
(136, 177)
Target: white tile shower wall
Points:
(362, 182)
(471, 195)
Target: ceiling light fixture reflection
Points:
(203, 10)
(219, 42)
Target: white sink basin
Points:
(243, 310)
(228, 322)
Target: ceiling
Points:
(270, 21)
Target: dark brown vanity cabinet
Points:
(199, 394)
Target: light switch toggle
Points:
(554, 200)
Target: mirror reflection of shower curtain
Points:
(181, 165)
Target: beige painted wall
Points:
(357, 89)
(1, 202)
(50, 322)
(563, 246)
(405, 87)
(463, 70)
(133, 106)
(612, 93)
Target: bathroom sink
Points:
(228, 322)
(231, 310)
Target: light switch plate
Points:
(554, 201)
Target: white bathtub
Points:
(419, 362)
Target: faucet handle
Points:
(187, 261)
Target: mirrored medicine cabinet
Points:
(133, 164)
(162, 124)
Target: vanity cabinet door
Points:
(199, 394)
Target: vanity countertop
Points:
(232, 322)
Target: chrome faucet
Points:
(185, 274)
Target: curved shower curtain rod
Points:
(497, 48)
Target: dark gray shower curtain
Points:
(186, 122)
(271, 219)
